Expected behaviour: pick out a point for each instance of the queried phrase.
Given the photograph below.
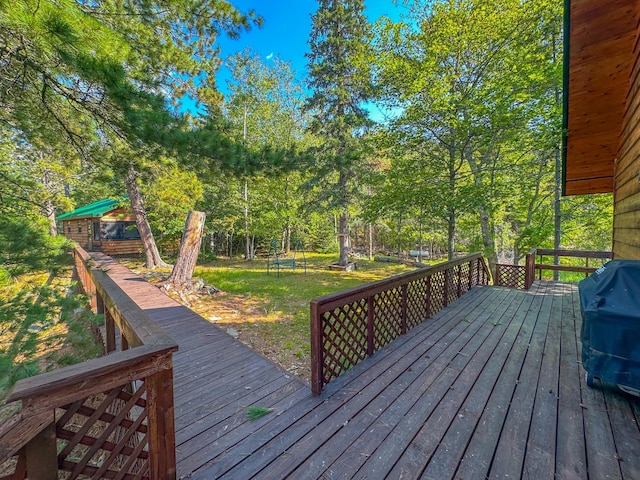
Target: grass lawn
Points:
(42, 328)
(271, 314)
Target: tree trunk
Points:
(288, 247)
(420, 238)
(399, 238)
(343, 236)
(557, 217)
(451, 214)
(557, 213)
(182, 272)
(370, 241)
(488, 239)
(50, 211)
(247, 236)
(148, 242)
(451, 233)
(49, 208)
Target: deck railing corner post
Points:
(316, 349)
(41, 454)
(371, 330)
(110, 332)
(403, 325)
(428, 297)
(162, 436)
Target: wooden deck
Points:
(491, 387)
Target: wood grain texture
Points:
(18, 429)
(490, 385)
(601, 60)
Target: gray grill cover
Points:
(610, 304)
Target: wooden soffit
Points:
(601, 40)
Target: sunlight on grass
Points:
(271, 313)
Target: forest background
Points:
(467, 158)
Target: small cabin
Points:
(103, 226)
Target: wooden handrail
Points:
(528, 270)
(19, 429)
(586, 254)
(348, 326)
(145, 358)
(572, 253)
(59, 387)
(327, 302)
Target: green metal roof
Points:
(95, 209)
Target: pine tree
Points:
(339, 78)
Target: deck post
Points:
(530, 270)
(99, 304)
(370, 326)
(447, 283)
(459, 287)
(42, 455)
(428, 297)
(110, 331)
(403, 325)
(162, 440)
(94, 295)
(470, 276)
(316, 348)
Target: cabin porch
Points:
(490, 386)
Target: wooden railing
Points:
(110, 417)
(522, 276)
(347, 327)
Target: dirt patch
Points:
(245, 319)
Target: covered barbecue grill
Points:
(610, 304)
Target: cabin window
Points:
(119, 231)
(68, 227)
(79, 226)
(96, 231)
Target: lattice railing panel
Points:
(512, 276)
(14, 467)
(344, 338)
(388, 317)
(437, 292)
(369, 317)
(464, 271)
(417, 302)
(104, 436)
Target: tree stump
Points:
(182, 273)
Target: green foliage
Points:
(588, 222)
(339, 77)
(26, 246)
(320, 233)
(475, 88)
(254, 413)
(169, 198)
(38, 319)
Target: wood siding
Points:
(79, 231)
(121, 247)
(120, 214)
(602, 36)
(626, 224)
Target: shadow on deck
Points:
(491, 387)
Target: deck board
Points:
(491, 387)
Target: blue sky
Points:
(287, 24)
